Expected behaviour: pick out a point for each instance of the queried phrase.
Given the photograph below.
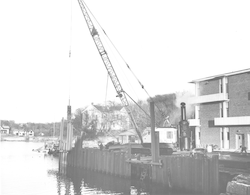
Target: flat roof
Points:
(220, 75)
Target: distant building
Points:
(30, 133)
(129, 136)
(5, 129)
(22, 132)
(166, 135)
(106, 118)
(15, 131)
(222, 110)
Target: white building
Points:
(5, 129)
(166, 135)
(129, 136)
(106, 118)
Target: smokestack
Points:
(184, 129)
(183, 111)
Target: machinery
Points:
(105, 58)
(185, 133)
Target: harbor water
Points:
(26, 172)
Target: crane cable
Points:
(106, 90)
(142, 86)
(137, 104)
(109, 46)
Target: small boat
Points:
(50, 147)
(41, 150)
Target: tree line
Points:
(167, 112)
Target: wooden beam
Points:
(154, 135)
(61, 134)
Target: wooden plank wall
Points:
(63, 159)
(105, 161)
(185, 173)
(188, 174)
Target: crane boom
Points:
(108, 65)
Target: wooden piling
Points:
(154, 146)
(190, 174)
(61, 135)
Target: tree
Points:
(141, 114)
(77, 121)
(83, 122)
(114, 115)
(165, 108)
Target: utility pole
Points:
(69, 128)
(154, 135)
(61, 134)
(54, 129)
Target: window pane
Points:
(169, 135)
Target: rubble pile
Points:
(240, 185)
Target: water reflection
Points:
(87, 182)
(81, 181)
(26, 172)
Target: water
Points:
(26, 172)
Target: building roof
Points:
(4, 127)
(221, 75)
(101, 108)
(128, 133)
(108, 109)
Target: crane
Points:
(105, 58)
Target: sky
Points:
(167, 44)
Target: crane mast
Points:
(108, 65)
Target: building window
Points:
(169, 135)
(228, 135)
(222, 135)
(221, 109)
(221, 85)
(221, 88)
(227, 109)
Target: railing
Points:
(194, 122)
(241, 120)
(218, 97)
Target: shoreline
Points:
(27, 139)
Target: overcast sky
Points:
(166, 43)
